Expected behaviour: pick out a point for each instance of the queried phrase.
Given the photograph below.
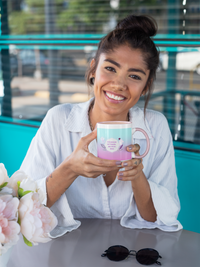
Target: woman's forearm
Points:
(144, 202)
(58, 182)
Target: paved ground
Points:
(28, 91)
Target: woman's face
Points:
(120, 79)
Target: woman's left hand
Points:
(132, 169)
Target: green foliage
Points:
(21, 191)
(21, 22)
(84, 15)
(28, 243)
(34, 3)
(3, 185)
(78, 16)
(75, 15)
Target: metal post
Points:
(169, 101)
(5, 62)
(52, 54)
(182, 118)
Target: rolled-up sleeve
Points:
(162, 179)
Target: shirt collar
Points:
(78, 120)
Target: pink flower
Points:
(26, 184)
(18, 176)
(9, 228)
(36, 220)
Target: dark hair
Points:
(134, 31)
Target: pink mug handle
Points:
(148, 143)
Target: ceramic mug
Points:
(113, 137)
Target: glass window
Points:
(46, 47)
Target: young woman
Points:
(62, 156)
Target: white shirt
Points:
(59, 135)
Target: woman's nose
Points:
(119, 85)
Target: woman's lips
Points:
(114, 98)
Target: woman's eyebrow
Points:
(119, 66)
(137, 70)
(113, 62)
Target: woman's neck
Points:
(95, 116)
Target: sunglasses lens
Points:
(147, 256)
(117, 253)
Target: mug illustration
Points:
(112, 144)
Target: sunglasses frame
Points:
(132, 253)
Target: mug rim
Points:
(114, 122)
(114, 125)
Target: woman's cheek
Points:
(102, 77)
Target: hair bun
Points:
(145, 23)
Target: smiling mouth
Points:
(114, 97)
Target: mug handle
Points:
(148, 143)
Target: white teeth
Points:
(114, 96)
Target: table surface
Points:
(83, 247)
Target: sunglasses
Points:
(145, 256)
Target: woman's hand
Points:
(82, 162)
(133, 171)
(132, 168)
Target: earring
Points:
(92, 80)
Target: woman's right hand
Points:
(82, 162)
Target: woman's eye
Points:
(110, 69)
(135, 77)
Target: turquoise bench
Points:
(15, 140)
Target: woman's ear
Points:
(144, 91)
(92, 63)
(146, 88)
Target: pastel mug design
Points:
(113, 137)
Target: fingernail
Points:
(120, 178)
(125, 164)
(118, 162)
(120, 174)
(130, 147)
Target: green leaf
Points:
(18, 184)
(28, 243)
(19, 221)
(27, 192)
(3, 185)
(22, 193)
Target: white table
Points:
(83, 247)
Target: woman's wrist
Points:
(140, 178)
(65, 171)
(58, 182)
(142, 194)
